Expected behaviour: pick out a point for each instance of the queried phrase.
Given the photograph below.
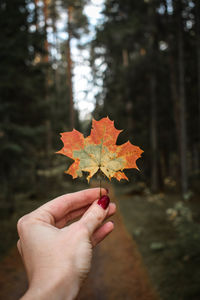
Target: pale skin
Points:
(57, 256)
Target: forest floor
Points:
(144, 254)
(169, 243)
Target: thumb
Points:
(96, 214)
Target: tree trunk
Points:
(153, 50)
(125, 58)
(69, 68)
(46, 61)
(127, 99)
(197, 143)
(56, 45)
(176, 109)
(36, 14)
(174, 168)
(46, 45)
(183, 137)
(153, 130)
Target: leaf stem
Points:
(100, 186)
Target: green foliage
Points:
(188, 231)
(22, 110)
(34, 93)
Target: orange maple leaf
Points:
(99, 151)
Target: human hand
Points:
(57, 257)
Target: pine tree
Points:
(21, 92)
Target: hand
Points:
(57, 257)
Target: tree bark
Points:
(56, 44)
(153, 128)
(46, 45)
(36, 14)
(176, 110)
(197, 144)
(125, 57)
(153, 97)
(46, 61)
(183, 137)
(69, 68)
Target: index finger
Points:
(60, 206)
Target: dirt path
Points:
(13, 281)
(117, 271)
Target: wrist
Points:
(53, 289)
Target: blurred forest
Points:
(145, 64)
(35, 90)
(146, 58)
(151, 85)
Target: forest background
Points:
(144, 58)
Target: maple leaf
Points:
(99, 151)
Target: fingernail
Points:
(107, 190)
(104, 201)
